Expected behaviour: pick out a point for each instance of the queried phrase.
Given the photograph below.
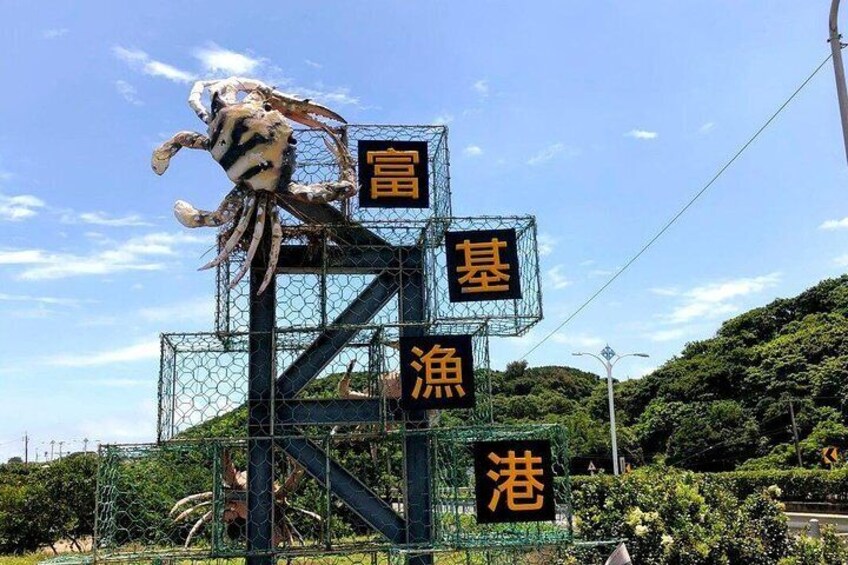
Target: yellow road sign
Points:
(830, 455)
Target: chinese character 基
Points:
(436, 372)
(393, 174)
(514, 481)
(482, 265)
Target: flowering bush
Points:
(670, 516)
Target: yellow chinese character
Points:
(442, 372)
(394, 173)
(521, 481)
(482, 266)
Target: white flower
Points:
(641, 531)
(775, 491)
(667, 540)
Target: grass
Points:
(28, 559)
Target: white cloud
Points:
(481, 87)
(642, 134)
(54, 33)
(472, 151)
(21, 207)
(546, 154)
(313, 64)
(197, 310)
(582, 341)
(557, 278)
(547, 243)
(714, 299)
(842, 260)
(442, 119)
(44, 300)
(665, 291)
(339, 96)
(104, 219)
(148, 349)
(835, 224)
(216, 59)
(128, 92)
(668, 335)
(144, 253)
(707, 127)
(138, 59)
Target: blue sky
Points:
(601, 118)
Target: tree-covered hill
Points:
(723, 401)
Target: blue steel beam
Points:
(296, 259)
(327, 345)
(307, 412)
(358, 497)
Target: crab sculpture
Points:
(235, 503)
(251, 138)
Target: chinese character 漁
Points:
(436, 372)
(439, 373)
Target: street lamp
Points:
(608, 359)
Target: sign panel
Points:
(393, 174)
(482, 265)
(830, 455)
(514, 481)
(436, 372)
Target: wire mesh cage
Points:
(505, 317)
(322, 279)
(203, 383)
(455, 482)
(189, 499)
(315, 163)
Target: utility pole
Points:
(795, 432)
(52, 445)
(608, 355)
(26, 448)
(835, 40)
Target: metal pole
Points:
(52, 445)
(615, 468)
(26, 447)
(839, 71)
(260, 394)
(795, 433)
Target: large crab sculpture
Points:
(253, 141)
(235, 503)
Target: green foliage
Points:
(40, 504)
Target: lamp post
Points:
(608, 359)
(835, 39)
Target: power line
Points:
(682, 211)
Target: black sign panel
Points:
(436, 372)
(482, 265)
(393, 174)
(514, 481)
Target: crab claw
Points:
(302, 111)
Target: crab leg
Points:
(254, 244)
(274, 255)
(162, 155)
(236, 236)
(205, 519)
(191, 510)
(199, 496)
(191, 217)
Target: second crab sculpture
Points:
(251, 138)
(235, 504)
